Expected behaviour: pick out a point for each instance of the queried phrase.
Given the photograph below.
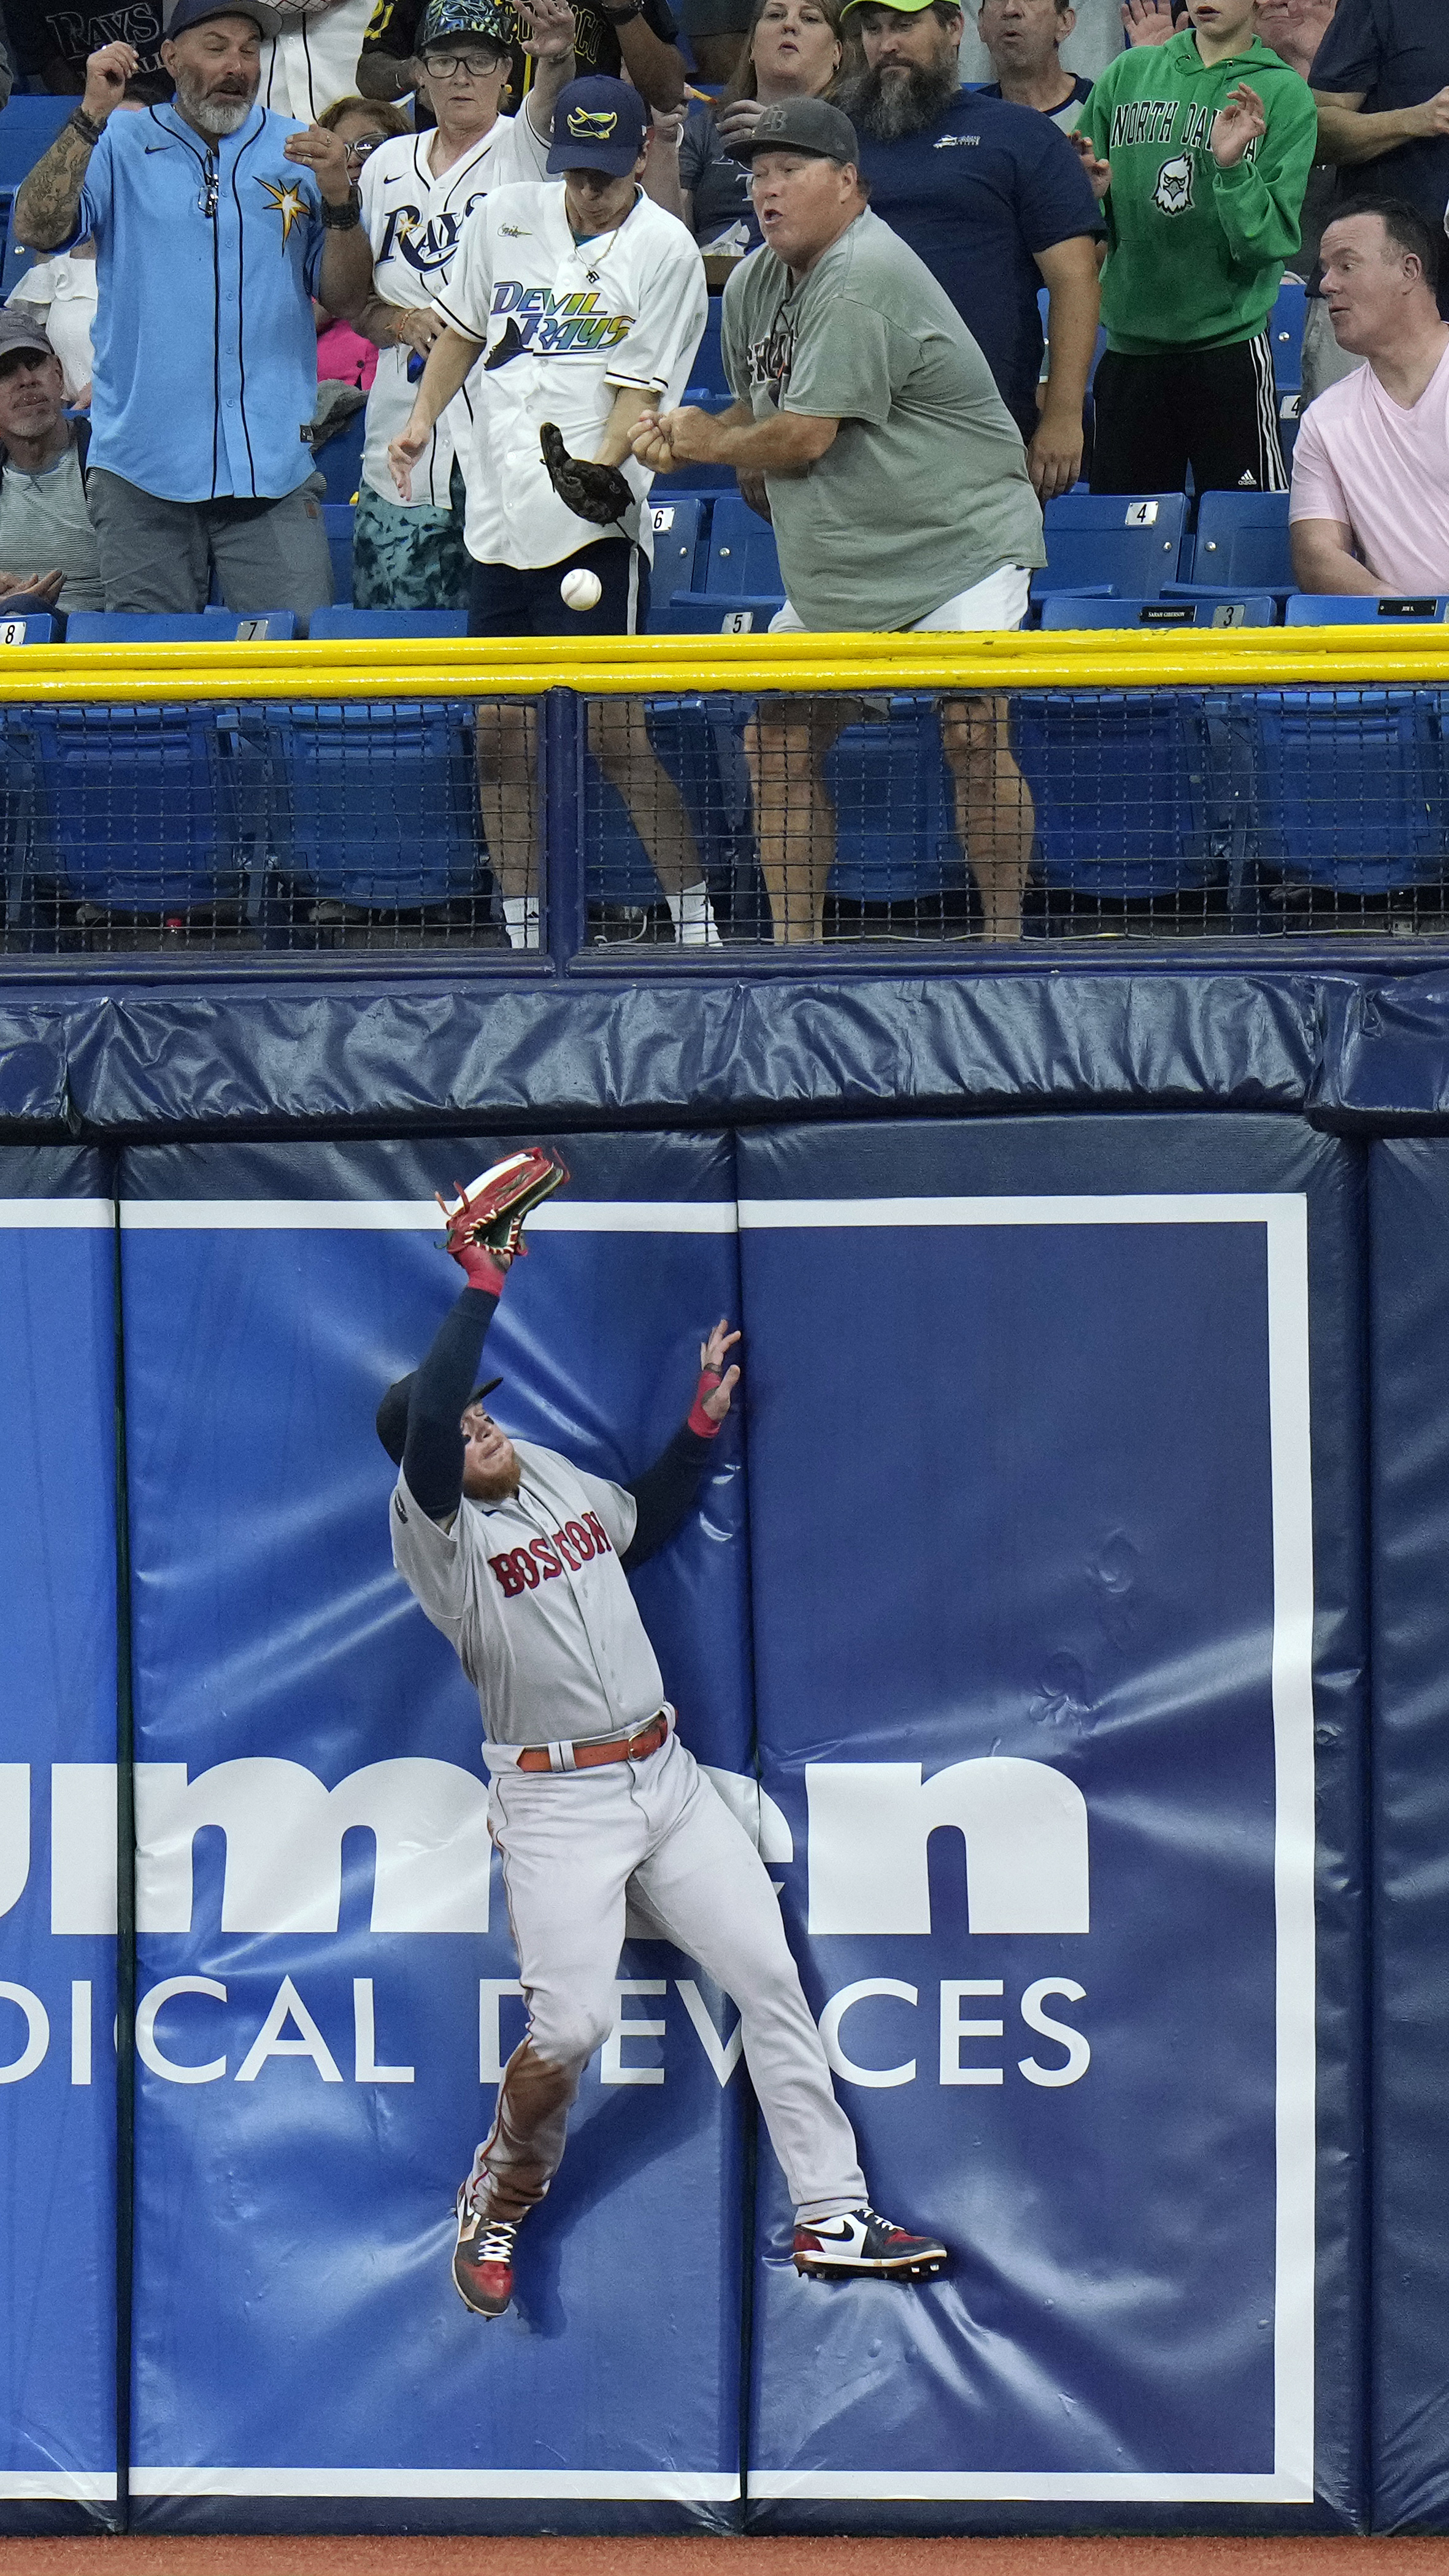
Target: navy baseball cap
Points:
(455, 21)
(195, 13)
(598, 124)
(392, 1413)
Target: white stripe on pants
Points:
(572, 1844)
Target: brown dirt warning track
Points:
(139, 2555)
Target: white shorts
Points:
(1000, 601)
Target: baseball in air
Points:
(581, 588)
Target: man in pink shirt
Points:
(1369, 510)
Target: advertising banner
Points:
(1056, 1558)
(1409, 1273)
(57, 1843)
(326, 1983)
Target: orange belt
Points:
(585, 1757)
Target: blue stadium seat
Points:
(32, 628)
(1122, 788)
(186, 626)
(340, 462)
(1315, 608)
(678, 527)
(895, 831)
(1108, 544)
(742, 553)
(1077, 609)
(1242, 537)
(29, 124)
(1349, 792)
(16, 260)
(344, 624)
(337, 519)
(707, 376)
(1285, 330)
(703, 612)
(373, 805)
(140, 804)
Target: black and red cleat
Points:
(492, 1210)
(483, 2259)
(861, 2245)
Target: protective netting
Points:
(686, 822)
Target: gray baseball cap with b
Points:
(801, 125)
(20, 331)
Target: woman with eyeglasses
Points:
(416, 192)
(343, 355)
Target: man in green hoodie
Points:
(1200, 150)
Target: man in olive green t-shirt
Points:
(867, 425)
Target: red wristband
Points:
(701, 1423)
(480, 1268)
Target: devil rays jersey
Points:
(414, 222)
(567, 324)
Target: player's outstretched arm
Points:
(666, 1491)
(424, 1411)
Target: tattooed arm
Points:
(46, 202)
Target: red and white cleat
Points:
(861, 2245)
(492, 1210)
(483, 2258)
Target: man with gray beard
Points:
(993, 199)
(215, 224)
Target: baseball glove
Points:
(597, 493)
(491, 1211)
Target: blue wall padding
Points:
(1014, 1488)
(299, 2349)
(57, 1917)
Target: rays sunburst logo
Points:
(289, 201)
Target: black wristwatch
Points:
(343, 219)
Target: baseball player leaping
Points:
(520, 1558)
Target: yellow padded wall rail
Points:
(1339, 657)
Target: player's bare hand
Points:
(1098, 172)
(546, 28)
(1147, 22)
(403, 453)
(419, 328)
(754, 495)
(1054, 458)
(713, 1355)
(107, 72)
(1239, 121)
(325, 155)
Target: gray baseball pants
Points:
(573, 1843)
(156, 556)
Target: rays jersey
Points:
(413, 222)
(566, 324)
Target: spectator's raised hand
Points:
(107, 72)
(1239, 121)
(1147, 22)
(325, 155)
(546, 28)
(739, 120)
(1099, 173)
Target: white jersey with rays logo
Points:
(414, 223)
(567, 325)
(531, 1594)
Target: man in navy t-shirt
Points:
(1380, 81)
(995, 201)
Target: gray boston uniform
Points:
(531, 1594)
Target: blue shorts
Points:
(505, 601)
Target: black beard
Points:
(907, 107)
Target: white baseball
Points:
(581, 588)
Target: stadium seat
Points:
(703, 612)
(339, 462)
(337, 519)
(186, 626)
(1285, 329)
(742, 555)
(707, 378)
(29, 124)
(1122, 788)
(678, 527)
(1076, 609)
(1242, 537)
(1316, 608)
(344, 624)
(1349, 792)
(1096, 542)
(138, 804)
(373, 806)
(895, 832)
(39, 628)
(17, 258)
